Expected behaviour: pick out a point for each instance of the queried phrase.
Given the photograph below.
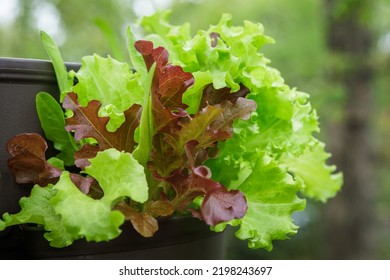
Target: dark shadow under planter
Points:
(20, 81)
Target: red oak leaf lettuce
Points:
(29, 165)
(182, 142)
(87, 124)
(28, 161)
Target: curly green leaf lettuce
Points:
(37, 209)
(96, 222)
(319, 180)
(111, 82)
(271, 194)
(119, 175)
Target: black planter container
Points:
(20, 81)
(178, 238)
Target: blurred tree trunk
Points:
(349, 216)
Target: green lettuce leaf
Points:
(319, 180)
(193, 96)
(136, 58)
(36, 209)
(52, 120)
(117, 91)
(119, 175)
(64, 80)
(162, 33)
(83, 216)
(146, 127)
(271, 194)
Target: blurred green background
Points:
(336, 50)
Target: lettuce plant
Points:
(195, 125)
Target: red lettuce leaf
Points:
(165, 119)
(219, 204)
(86, 123)
(159, 208)
(152, 55)
(145, 222)
(240, 109)
(200, 128)
(27, 144)
(187, 187)
(29, 165)
(208, 127)
(169, 147)
(165, 158)
(173, 82)
(168, 85)
(212, 96)
(82, 156)
(84, 184)
(28, 162)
